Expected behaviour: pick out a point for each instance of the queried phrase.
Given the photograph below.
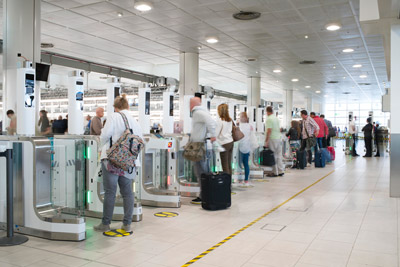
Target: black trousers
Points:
(353, 150)
(309, 153)
(368, 146)
(377, 146)
(328, 141)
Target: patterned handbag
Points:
(126, 150)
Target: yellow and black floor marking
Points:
(260, 180)
(251, 224)
(233, 193)
(117, 233)
(166, 214)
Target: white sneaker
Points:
(126, 228)
(102, 228)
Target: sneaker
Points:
(272, 175)
(281, 174)
(248, 184)
(196, 201)
(126, 228)
(102, 228)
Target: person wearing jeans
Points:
(245, 145)
(202, 125)
(273, 141)
(324, 131)
(309, 129)
(113, 176)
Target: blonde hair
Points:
(121, 102)
(244, 115)
(223, 112)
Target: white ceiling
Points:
(150, 42)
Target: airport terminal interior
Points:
(204, 133)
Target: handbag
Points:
(310, 141)
(194, 151)
(236, 133)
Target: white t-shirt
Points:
(352, 128)
(245, 143)
(114, 128)
(224, 132)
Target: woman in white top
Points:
(112, 176)
(245, 145)
(224, 137)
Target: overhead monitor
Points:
(42, 72)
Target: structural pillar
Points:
(394, 111)
(288, 108)
(188, 86)
(310, 104)
(253, 91)
(21, 34)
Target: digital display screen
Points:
(208, 105)
(171, 105)
(42, 72)
(234, 113)
(79, 96)
(29, 83)
(79, 83)
(116, 91)
(254, 112)
(262, 116)
(147, 104)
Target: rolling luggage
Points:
(301, 159)
(215, 191)
(267, 158)
(319, 159)
(327, 155)
(331, 150)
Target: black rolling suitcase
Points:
(215, 191)
(267, 158)
(301, 159)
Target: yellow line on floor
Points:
(253, 222)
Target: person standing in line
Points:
(96, 124)
(310, 129)
(294, 140)
(273, 140)
(202, 125)
(113, 176)
(245, 145)
(224, 137)
(44, 123)
(353, 133)
(367, 129)
(88, 121)
(323, 130)
(12, 128)
(331, 130)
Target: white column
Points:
(253, 91)
(21, 34)
(75, 102)
(188, 82)
(288, 108)
(394, 111)
(113, 90)
(323, 108)
(310, 106)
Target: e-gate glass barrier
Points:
(156, 169)
(185, 169)
(68, 175)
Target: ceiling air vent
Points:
(332, 82)
(251, 59)
(346, 93)
(46, 45)
(246, 15)
(307, 62)
(364, 84)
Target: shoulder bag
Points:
(236, 133)
(311, 141)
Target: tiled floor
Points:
(347, 219)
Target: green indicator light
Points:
(89, 197)
(88, 153)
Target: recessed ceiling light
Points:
(363, 76)
(295, 80)
(357, 66)
(257, 72)
(318, 92)
(212, 40)
(120, 14)
(307, 86)
(334, 67)
(143, 6)
(277, 71)
(348, 50)
(199, 47)
(344, 77)
(333, 26)
(306, 36)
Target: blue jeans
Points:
(110, 182)
(245, 161)
(319, 143)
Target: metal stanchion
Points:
(10, 239)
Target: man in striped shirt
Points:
(309, 129)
